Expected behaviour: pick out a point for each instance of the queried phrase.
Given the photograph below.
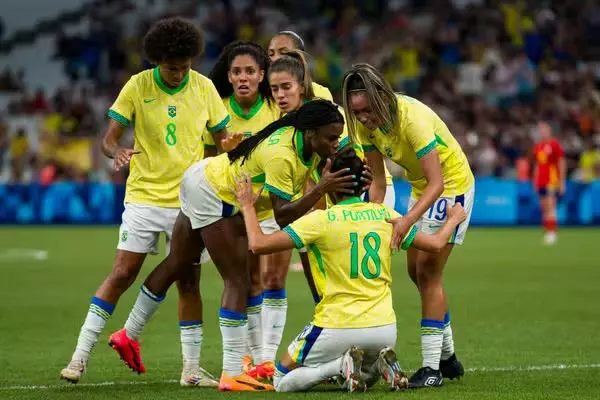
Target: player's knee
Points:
(189, 281)
(123, 275)
(273, 281)
(427, 273)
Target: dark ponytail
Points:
(348, 159)
(311, 115)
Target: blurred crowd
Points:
(491, 69)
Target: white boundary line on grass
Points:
(550, 367)
(14, 255)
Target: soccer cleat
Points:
(265, 370)
(197, 377)
(452, 368)
(243, 383)
(550, 238)
(72, 372)
(389, 368)
(351, 366)
(247, 363)
(425, 377)
(128, 349)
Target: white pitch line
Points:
(551, 367)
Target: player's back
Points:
(350, 244)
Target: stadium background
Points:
(523, 314)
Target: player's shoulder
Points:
(200, 81)
(322, 91)
(140, 81)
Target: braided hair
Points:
(311, 115)
(218, 74)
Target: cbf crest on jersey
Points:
(172, 111)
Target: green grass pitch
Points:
(519, 311)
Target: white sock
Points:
(233, 330)
(448, 343)
(191, 343)
(432, 337)
(274, 313)
(98, 313)
(304, 378)
(144, 308)
(255, 347)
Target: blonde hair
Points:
(294, 62)
(364, 78)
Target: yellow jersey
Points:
(350, 256)
(420, 131)
(322, 92)
(277, 163)
(260, 115)
(169, 125)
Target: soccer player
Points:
(353, 332)
(549, 177)
(413, 136)
(240, 78)
(172, 105)
(280, 157)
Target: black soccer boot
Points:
(452, 368)
(425, 377)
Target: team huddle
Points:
(253, 161)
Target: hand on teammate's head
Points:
(232, 141)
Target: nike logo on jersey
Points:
(148, 100)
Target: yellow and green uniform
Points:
(321, 92)
(420, 131)
(350, 257)
(169, 125)
(277, 163)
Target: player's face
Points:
(326, 139)
(287, 91)
(245, 76)
(544, 131)
(174, 72)
(360, 107)
(278, 45)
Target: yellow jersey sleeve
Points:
(123, 109)
(218, 117)
(321, 91)
(420, 134)
(307, 229)
(279, 177)
(209, 140)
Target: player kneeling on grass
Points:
(353, 332)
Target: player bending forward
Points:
(353, 332)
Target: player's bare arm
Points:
(287, 212)
(436, 242)
(562, 166)
(377, 169)
(111, 148)
(432, 170)
(258, 242)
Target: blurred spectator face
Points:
(279, 45)
(245, 75)
(174, 72)
(287, 90)
(359, 104)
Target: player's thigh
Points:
(315, 345)
(227, 243)
(273, 271)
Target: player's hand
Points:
(232, 141)
(244, 192)
(401, 226)
(341, 181)
(562, 189)
(457, 213)
(122, 157)
(366, 178)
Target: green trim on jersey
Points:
(165, 88)
(237, 109)
(425, 150)
(409, 239)
(297, 241)
(220, 126)
(369, 147)
(118, 117)
(351, 200)
(259, 178)
(313, 247)
(300, 149)
(277, 192)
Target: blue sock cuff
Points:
(282, 369)
(275, 294)
(148, 293)
(447, 318)
(190, 324)
(255, 300)
(106, 306)
(228, 314)
(432, 323)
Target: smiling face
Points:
(245, 75)
(174, 72)
(279, 45)
(325, 140)
(287, 91)
(360, 107)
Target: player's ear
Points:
(229, 77)
(261, 75)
